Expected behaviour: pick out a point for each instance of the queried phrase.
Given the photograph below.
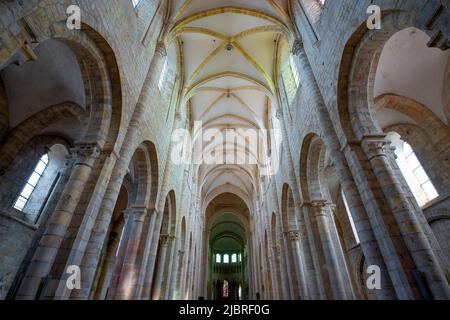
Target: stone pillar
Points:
(129, 272)
(159, 277)
(132, 138)
(294, 237)
(332, 255)
(170, 268)
(414, 231)
(121, 253)
(274, 274)
(283, 290)
(44, 257)
(363, 210)
(145, 252)
(150, 268)
(178, 285)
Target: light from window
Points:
(225, 292)
(350, 218)
(162, 77)
(411, 168)
(218, 258)
(234, 258)
(135, 3)
(240, 257)
(294, 71)
(31, 183)
(226, 258)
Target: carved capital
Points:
(294, 235)
(279, 114)
(276, 250)
(164, 240)
(86, 154)
(160, 49)
(297, 47)
(375, 146)
(136, 213)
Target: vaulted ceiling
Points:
(229, 54)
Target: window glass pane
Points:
(218, 258)
(413, 161)
(294, 71)
(430, 190)
(421, 175)
(27, 190)
(34, 179)
(414, 174)
(234, 258)
(407, 150)
(44, 159)
(162, 77)
(226, 258)
(20, 203)
(349, 214)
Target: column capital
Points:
(279, 114)
(160, 49)
(294, 235)
(86, 153)
(137, 213)
(375, 145)
(297, 47)
(318, 203)
(277, 250)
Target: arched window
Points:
(350, 218)
(33, 180)
(218, 258)
(411, 168)
(240, 257)
(225, 293)
(294, 70)
(226, 258)
(135, 3)
(234, 258)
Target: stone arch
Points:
(169, 215)
(312, 165)
(418, 112)
(32, 219)
(102, 112)
(357, 70)
(16, 139)
(145, 165)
